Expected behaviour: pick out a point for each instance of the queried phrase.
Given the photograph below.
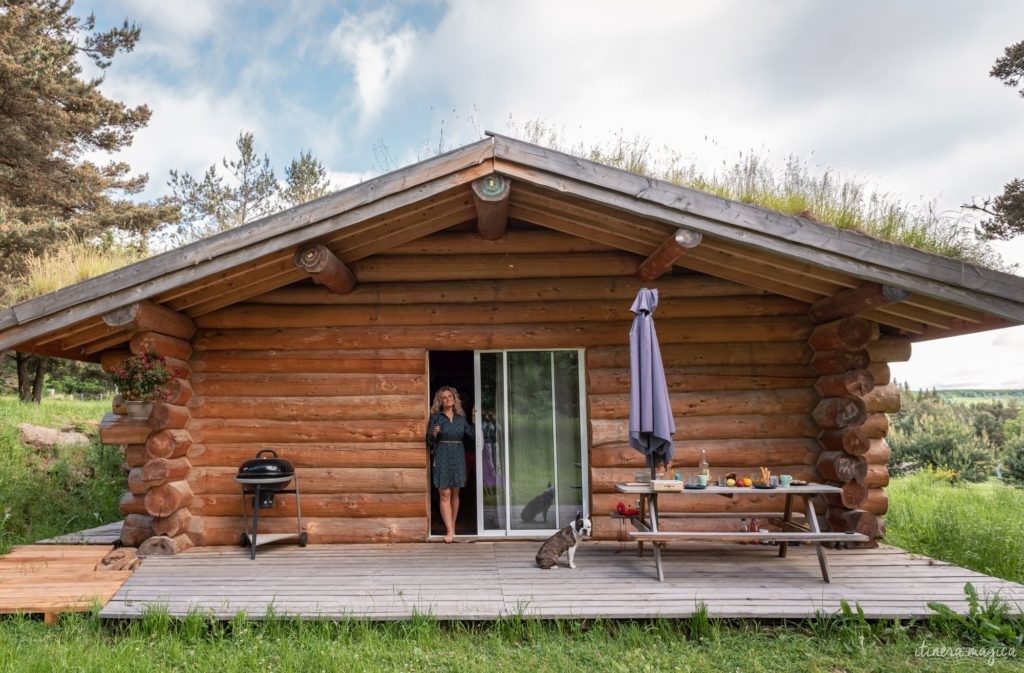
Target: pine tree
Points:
(305, 180)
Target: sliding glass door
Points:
(531, 436)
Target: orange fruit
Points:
(747, 481)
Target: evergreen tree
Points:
(305, 180)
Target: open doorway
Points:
(455, 369)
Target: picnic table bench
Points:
(646, 522)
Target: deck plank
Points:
(486, 580)
(56, 578)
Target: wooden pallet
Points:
(50, 579)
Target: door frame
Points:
(584, 452)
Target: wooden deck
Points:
(50, 579)
(488, 580)
(106, 535)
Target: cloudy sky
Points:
(896, 94)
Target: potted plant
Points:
(142, 380)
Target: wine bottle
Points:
(702, 466)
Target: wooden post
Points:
(853, 301)
(666, 254)
(325, 268)
(490, 195)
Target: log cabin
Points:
(507, 271)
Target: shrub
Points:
(143, 378)
(1013, 464)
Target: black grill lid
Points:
(262, 468)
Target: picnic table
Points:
(646, 522)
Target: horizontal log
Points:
(855, 382)
(521, 313)
(713, 403)
(837, 362)
(355, 505)
(136, 485)
(753, 501)
(878, 452)
(745, 453)
(880, 373)
(883, 399)
(152, 342)
(854, 494)
(162, 545)
(168, 416)
(839, 412)
(173, 525)
(110, 360)
(853, 521)
(325, 268)
(877, 476)
(333, 362)
(381, 455)
(666, 254)
(162, 470)
(135, 455)
(841, 466)
(855, 300)
(313, 385)
(147, 316)
(400, 268)
(484, 337)
(136, 529)
(515, 290)
(681, 379)
(604, 479)
(515, 240)
(877, 502)
(876, 426)
(312, 480)
(172, 443)
(169, 498)
(734, 353)
(851, 440)
(848, 334)
(131, 504)
(339, 409)
(714, 427)
(890, 349)
(214, 431)
(116, 430)
(226, 530)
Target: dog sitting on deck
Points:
(566, 540)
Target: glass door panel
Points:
(531, 472)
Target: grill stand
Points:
(254, 488)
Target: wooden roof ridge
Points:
(853, 252)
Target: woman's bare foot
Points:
(448, 538)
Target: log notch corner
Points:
(157, 517)
(490, 196)
(855, 396)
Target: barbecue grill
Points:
(263, 478)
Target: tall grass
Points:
(69, 263)
(977, 526)
(48, 492)
(792, 187)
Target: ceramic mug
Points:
(785, 480)
(702, 479)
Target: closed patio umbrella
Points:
(650, 411)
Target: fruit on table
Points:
(730, 482)
(747, 481)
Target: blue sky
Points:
(896, 94)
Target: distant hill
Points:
(968, 395)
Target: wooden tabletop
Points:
(812, 488)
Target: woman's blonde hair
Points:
(436, 406)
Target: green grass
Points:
(44, 493)
(977, 526)
(158, 643)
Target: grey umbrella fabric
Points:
(650, 411)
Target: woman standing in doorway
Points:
(447, 427)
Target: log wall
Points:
(337, 384)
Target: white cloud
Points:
(378, 53)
